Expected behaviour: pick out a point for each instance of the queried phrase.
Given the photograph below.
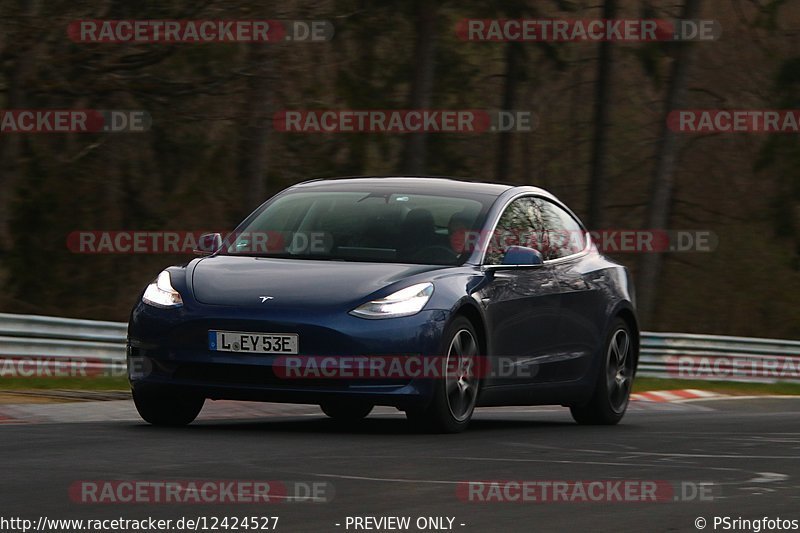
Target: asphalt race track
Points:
(748, 448)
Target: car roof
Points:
(421, 184)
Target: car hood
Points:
(242, 281)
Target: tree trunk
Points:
(660, 203)
(10, 151)
(19, 63)
(253, 142)
(416, 146)
(598, 175)
(504, 142)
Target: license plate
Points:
(239, 341)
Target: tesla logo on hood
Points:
(265, 298)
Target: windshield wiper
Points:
(384, 195)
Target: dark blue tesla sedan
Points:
(431, 295)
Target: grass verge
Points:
(639, 385)
(72, 383)
(724, 387)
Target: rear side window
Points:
(536, 223)
(521, 224)
(566, 237)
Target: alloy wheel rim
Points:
(619, 370)
(461, 385)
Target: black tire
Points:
(165, 408)
(343, 411)
(614, 379)
(454, 398)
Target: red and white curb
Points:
(674, 395)
(5, 419)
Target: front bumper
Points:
(168, 348)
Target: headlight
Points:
(406, 302)
(161, 294)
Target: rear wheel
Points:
(346, 411)
(455, 396)
(166, 408)
(615, 378)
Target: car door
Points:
(582, 300)
(521, 305)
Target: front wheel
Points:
(615, 378)
(167, 408)
(456, 393)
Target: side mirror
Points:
(208, 243)
(522, 256)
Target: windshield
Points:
(361, 226)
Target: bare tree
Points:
(598, 174)
(253, 140)
(17, 57)
(416, 147)
(663, 182)
(512, 75)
